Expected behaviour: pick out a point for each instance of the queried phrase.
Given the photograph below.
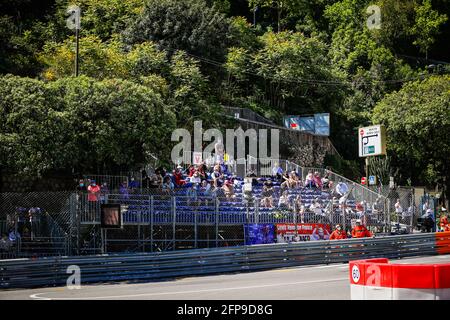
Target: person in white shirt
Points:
(309, 181)
(316, 207)
(195, 178)
(398, 208)
(284, 201)
(302, 213)
(277, 172)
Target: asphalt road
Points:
(327, 282)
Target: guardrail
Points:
(146, 266)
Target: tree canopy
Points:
(417, 120)
(161, 64)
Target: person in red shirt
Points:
(179, 179)
(443, 222)
(93, 195)
(360, 231)
(93, 191)
(338, 233)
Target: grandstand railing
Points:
(113, 182)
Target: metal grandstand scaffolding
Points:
(185, 217)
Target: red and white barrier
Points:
(376, 279)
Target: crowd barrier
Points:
(163, 265)
(377, 279)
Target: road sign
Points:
(372, 141)
(372, 180)
(363, 180)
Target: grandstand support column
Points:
(388, 214)
(195, 228)
(295, 218)
(217, 221)
(256, 212)
(139, 232)
(103, 239)
(367, 172)
(151, 222)
(344, 219)
(174, 218)
(74, 224)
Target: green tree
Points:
(103, 59)
(292, 71)
(426, 27)
(417, 120)
(189, 25)
(81, 123)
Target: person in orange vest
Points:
(360, 231)
(443, 222)
(338, 233)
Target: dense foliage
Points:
(148, 66)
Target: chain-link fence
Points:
(156, 219)
(37, 224)
(403, 212)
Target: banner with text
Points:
(288, 232)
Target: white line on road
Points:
(37, 295)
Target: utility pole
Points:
(73, 23)
(77, 51)
(367, 172)
(254, 16)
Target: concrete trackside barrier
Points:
(376, 279)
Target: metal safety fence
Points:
(161, 220)
(36, 223)
(163, 265)
(156, 219)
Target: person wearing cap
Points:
(360, 231)
(178, 175)
(338, 233)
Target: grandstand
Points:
(157, 220)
